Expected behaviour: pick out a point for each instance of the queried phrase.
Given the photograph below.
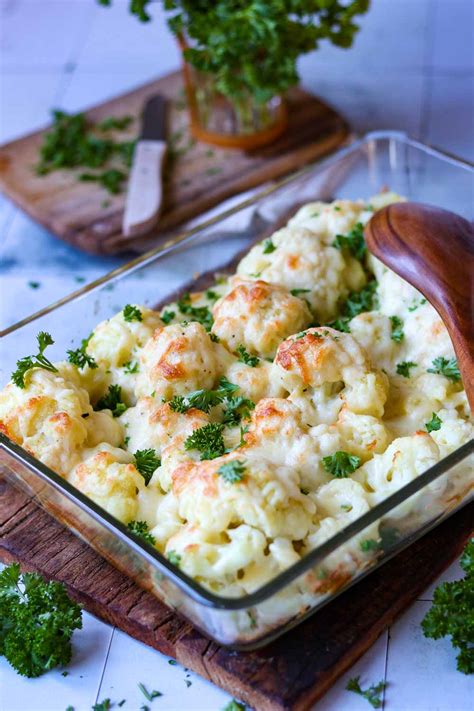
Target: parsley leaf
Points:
(434, 424)
(141, 529)
(132, 313)
(131, 367)
(149, 695)
(268, 246)
(297, 292)
(208, 440)
(174, 558)
(203, 399)
(397, 329)
(146, 461)
(372, 694)
(415, 305)
(37, 622)
(112, 400)
(80, 358)
(451, 613)
(36, 361)
(232, 472)
(404, 368)
(234, 706)
(104, 705)
(359, 301)
(237, 408)
(111, 179)
(167, 316)
(353, 242)
(245, 357)
(447, 367)
(340, 324)
(201, 314)
(212, 295)
(370, 544)
(341, 464)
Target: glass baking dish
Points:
(384, 158)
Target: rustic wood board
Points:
(291, 673)
(197, 178)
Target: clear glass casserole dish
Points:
(419, 172)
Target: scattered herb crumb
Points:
(372, 694)
(397, 334)
(245, 357)
(34, 284)
(174, 558)
(149, 695)
(234, 706)
(404, 368)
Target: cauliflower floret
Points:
(362, 435)
(301, 260)
(103, 427)
(177, 360)
(332, 364)
(403, 460)
(46, 418)
(254, 383)
(258, 316)
(267, 497)
(373, 331)
(109, 478)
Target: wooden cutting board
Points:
(291, 673)
(197, 176)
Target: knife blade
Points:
(145, 190)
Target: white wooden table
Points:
(412, 69)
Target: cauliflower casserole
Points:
(241, 427)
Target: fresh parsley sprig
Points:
(447, 367)
(146, 462)
(112, 400)
(208, 440)
(232, 472)
(132, 313)
(353, 242)
(35, 361)
(246, 357)
(451, 614)
(80, 357)
(341, 464)
(37, 620)
(372, 694)
(141, 529)
(404, 368)
(201, 314)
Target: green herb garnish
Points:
(104, 705)
(131, 367)
(167, 316)
(35, 361)
(341, 464)
(174, 558)
(353, 242)
(372, 694)
(298, 292)
(34, 284)
(132, 313)
(208, 440)
(397, 329)
(434, 424)
(232, 472)
(149, 695)
(447, 367)
(37, 622)
(234, 706)
(268, 246)
(340, 324)
(237, 408)
(110, 179)
(451, 614)
(370, 544)
(112, 400)
(80, 358)
(118, 123)
(201, 314)
(404, 368)
(141, 529)
(146, 461)
(245, 357)
(359, 301)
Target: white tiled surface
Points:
(412, 69)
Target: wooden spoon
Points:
(433, 250)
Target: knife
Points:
(144, 195)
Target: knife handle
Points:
(145, 191)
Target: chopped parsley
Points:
(237, 408)
(214, 337)
(341, 464)
(110, 179)
(397, 334)
(372, 694)
(434, 424)
(212, 295)
(104, 705)
(298, 292)
(451, 613)
(167, 316)
(112, 400)
(119, 123)
(132, 313)
(234, 706)
(35, 361)
(201, 314)
(174, 558)
(268, 246)
(146, 461)
(80, 358)
(141, 529)
(131, 367)
(359, 301)
(447, 367)
(208, 440)
(245, 357)
(370, 544)
(34, 284)
(232, 472)
(415, 305)
(404, 368)
(37, 622)
(340, 324)
(353, 242)
(149, 695)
